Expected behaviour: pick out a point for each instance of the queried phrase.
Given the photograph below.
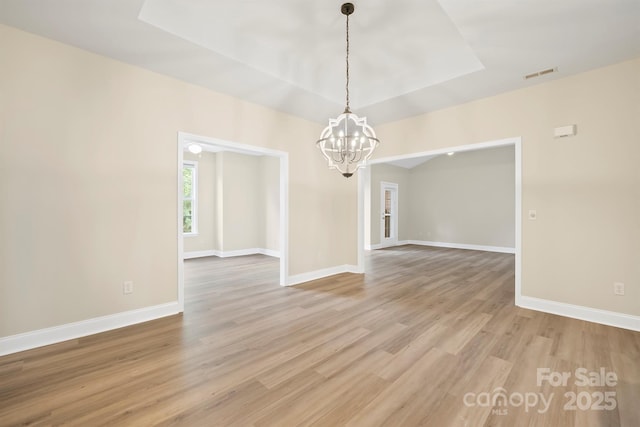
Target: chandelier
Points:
(348, 142)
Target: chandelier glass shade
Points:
(348, 142)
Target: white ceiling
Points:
(314, 59)
(407, 57)
(412, 162)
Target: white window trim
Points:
(194, 199)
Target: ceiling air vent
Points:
(541, 73)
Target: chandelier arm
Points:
(343, 155)
(357, 156)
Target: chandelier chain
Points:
(347, 109)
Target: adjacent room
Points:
(463, 200)
(411, 213)
(230, 203)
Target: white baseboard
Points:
(199, 254)
(500, 249)
(56, 334)
(250, 251)
(354, 269)
(320, 274)
(269, 252)
(611, 318)
(386, 245)
(228, 254)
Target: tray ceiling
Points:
(408, 56)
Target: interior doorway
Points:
(365, 191)
(215, 145)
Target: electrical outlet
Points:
(127, 287)
(618, 288)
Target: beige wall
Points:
(586, 189)
(467, 198)
(269, 203)
(88, 182)
(396, 175)
(205, 240)
(240, 201)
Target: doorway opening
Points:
(365, 192)
(207, 144)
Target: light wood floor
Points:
(425, 330)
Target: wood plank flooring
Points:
(429, 336)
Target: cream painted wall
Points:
(586, 189)
(240, 201)
(219, 202)
(205, 240)
(269, 203)
(466, 198)
(396, 175)
(86, 207)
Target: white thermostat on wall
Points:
(564, 131)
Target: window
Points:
(190, 197)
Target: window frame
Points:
(194, 197)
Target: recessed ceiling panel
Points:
(393, 51)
